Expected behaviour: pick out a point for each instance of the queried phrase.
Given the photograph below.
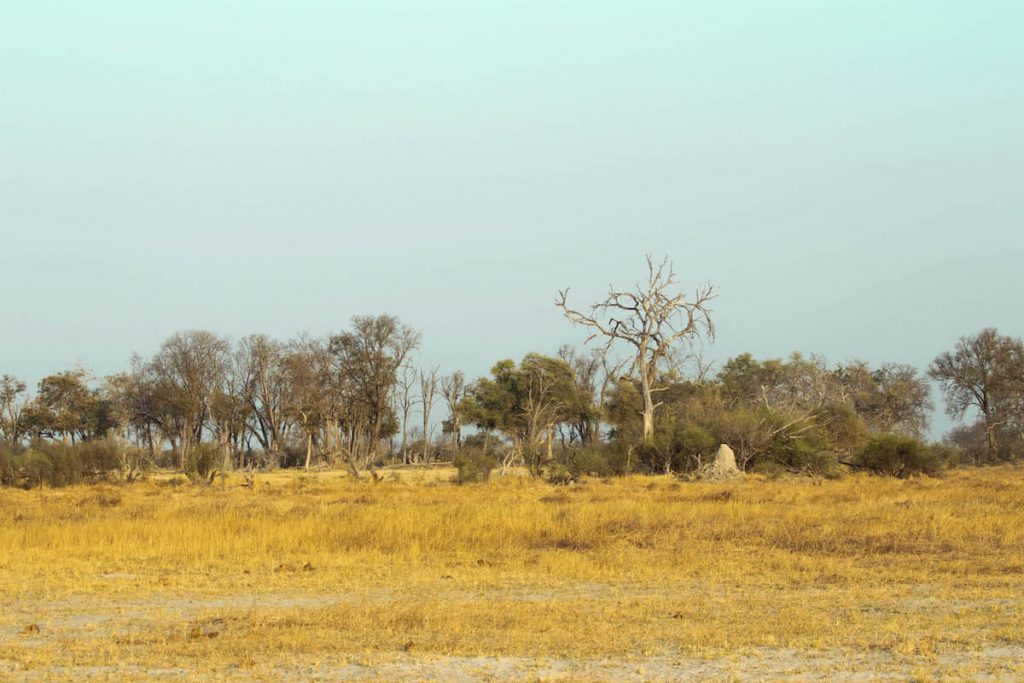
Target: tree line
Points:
(641, 399)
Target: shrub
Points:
(769, 468)
(560, 475)
(588, 461)
(293, 454)
(36, 469)
(618, 457)
(98, 457)
(202, 463)
(473, 466)
(690, 443)
(51, 463)
(7, 471)
(949, 456)
(900, 456)
(802, 455)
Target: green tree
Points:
(524, 403)
(984, 373)
(67, 408)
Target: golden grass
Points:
(412, 577)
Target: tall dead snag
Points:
(428, 389)
(655, 319)
(453, 388)
(404, 402)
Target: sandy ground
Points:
(35, 623)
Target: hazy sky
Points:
(849, 174)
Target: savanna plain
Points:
(316, 576)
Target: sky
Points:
(847, 174)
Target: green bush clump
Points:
(201, 466)
(900, 456)
(692, 444)
(802, 455)
(52, 463)
(473, 466)
(588, 461)
(7, 471)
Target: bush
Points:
(692, 443)
(51, 463)
(651, 458)
(36, 469)
(588, 461)
(7, 472)
(949, 456)
(900, 456)
(54, 464)
(473, 466)
(769, 468)
(802, 455)
(98, 457)
(292, 454)
(202, 463)
(560, 475)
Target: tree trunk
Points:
(405, 438)
(551, 442)
(992, 439)
(456, 434)
(426, 430)
(645, 390)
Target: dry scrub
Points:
(306, 577)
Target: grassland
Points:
(318, 577)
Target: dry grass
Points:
(316, 576)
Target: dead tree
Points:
(453, 388)
(653, 319)
(428, 389)
(404, 402)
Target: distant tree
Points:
(66, 407)
(453, 389)
(368, 358)
(654, 320)
(524, 403)
(748, 381)
(306, 371)
(405, 400)
(428, 392)
(185, 375)
(12, 402)
(894, 399)
(262, 361)
(593, 375)
(231, 407)
(983, 373)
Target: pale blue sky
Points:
(848, 173)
